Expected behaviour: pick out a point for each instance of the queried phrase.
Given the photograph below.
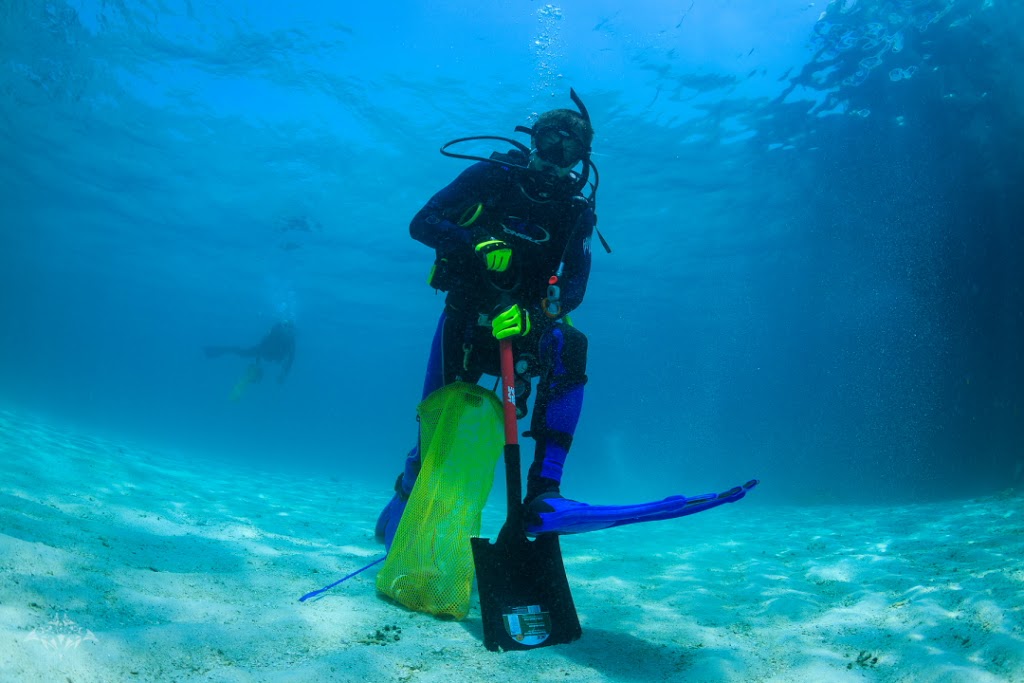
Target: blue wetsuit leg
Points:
(387, 522)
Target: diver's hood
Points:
(539, 186)
(560, 145)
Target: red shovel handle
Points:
(513, 471)
(508, 395)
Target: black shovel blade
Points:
(525, 601)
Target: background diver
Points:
(277, 346)
(512, 237)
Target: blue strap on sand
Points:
(315, 593)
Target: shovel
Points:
(525, 601)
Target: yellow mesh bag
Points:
(430, 566)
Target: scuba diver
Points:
(277, 346)
(512, 237)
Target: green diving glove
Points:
(512, 322)
(495, 253)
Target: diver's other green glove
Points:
(495, 253)
(512, 322)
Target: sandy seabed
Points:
(122, 564)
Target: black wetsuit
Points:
(489, 201)
(542, 235)
(278, 345)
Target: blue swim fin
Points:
(562, 516)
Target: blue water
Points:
(813, 209)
